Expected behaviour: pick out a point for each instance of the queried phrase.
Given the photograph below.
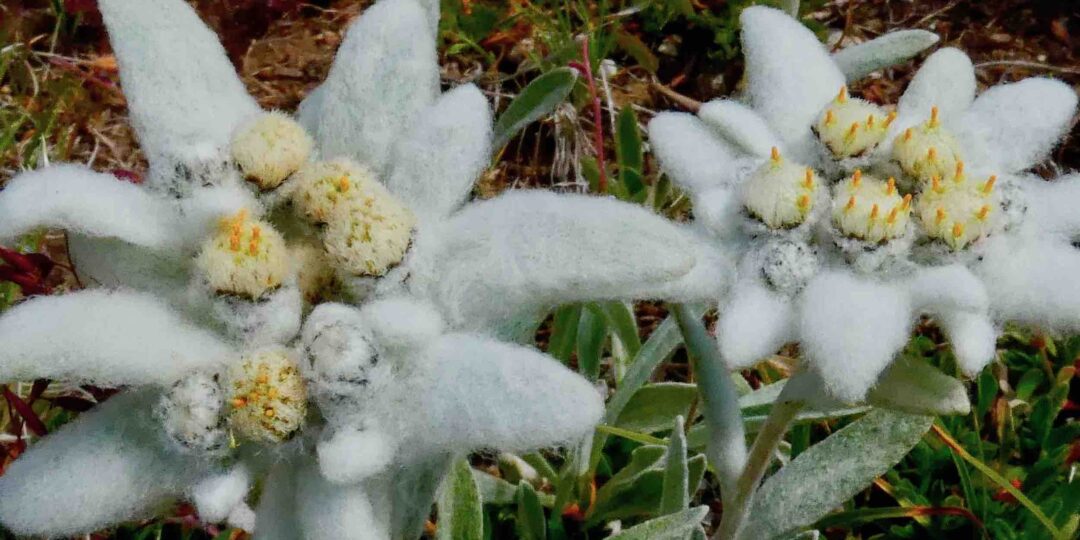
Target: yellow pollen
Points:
(935, 184)
(829, 117)
(856, 178)
(776, 154)
(262, 378)
(891, 188)
(933, 116)
(959, 170)
(931, 154)
(253, 247)
(874, 212)
(889, 119)
(234, 242)
(852, 130)
(239, 402)
(957, 230)
(988, 187)
(850, 204)
(343, 184)
(892, 215)
(842, 96)
(983, 212)
(870, 121)
(809, 182)
(269, 413)
(804, 201)
(940, 216)
(907, 202)
(907, 134)
(256, 232)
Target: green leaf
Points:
(530, 515)
(536, 101)
(676, 494)
(832, 471)
(671, 527)
(1028, 383)
(637, 50)
(891, 49)
(564, 331)
(987, 387)
(654, 405)
(590, 169)
(912, 385)
(461, 510)
(629, 155)
(637, 488)
(620, 318)
(591, 334)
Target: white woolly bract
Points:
(526, 251)
(328, 511)
(191, 415)
(469, 393)
(1010, 127)
(385, 73)
(1033, 281)
(351, 455)
(754, 324)
(113, 263)
(945, 80)
(1052, 206)
(851, 328)
(399, 324)
(75, 198)
(340, 362)
(947, 288)
(435, 164)
(183, 95)
(692, 155)
(216, 496)
(205, 207)
(104, 338)
(789, 74)
(858, 61)
(740, 125)
(275, 515)
(973, 338)
(788, 265)
(274, 318)
(270, 147)
(106, 467)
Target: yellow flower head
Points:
(781, 194)
(245, 257)
(266, 397)
(959, 212)
(322, 187)
(271, 148)
(927, 151)
(852, 127)
(870, 209)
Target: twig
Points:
(690, 104)
(585, 66)
(1027, 64)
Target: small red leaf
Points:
(20, 262)
(26, 412)
(128, 175)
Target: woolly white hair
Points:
(75, 198)
(218, 495)
(741, 125)
(436, 162)
(754, 323)
(109, 465)
(183, 94)
(273, 319)
(106, 338)
(1033, 281)
(946, 80)
(328, 511)
(789, 74)
(385, 73)
(688, 150)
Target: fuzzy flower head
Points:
(852, 127)
(870, 209)
(266, 396)
(269, 148)
(959, 211)
(781, 194)
(371, 233)
(323, 186)
(927, 151)
(245, 257)
(191, 412)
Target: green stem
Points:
(772, 433)
(719, 399)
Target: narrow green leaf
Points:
(676, 494)
(590, 169)
(537, 100)
(912, 385)
(530, 515)
(461, 511)
(620, 319)
(637, 50)
(987, 388)
(832, 471)
(636, 489)
(661, 192)
(629, 155)
(591, 333)
(564, 331)
(654, 405)
(671, 527)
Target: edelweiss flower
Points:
(836, 276)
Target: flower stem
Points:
(598, 120)
(720, 401)
(772, 432)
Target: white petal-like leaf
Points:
(1034, 282)
(888, 50)
(1051, 206)
(184, 96)
(851, 328)
(108, 466)
(973, 337)
(754, 324)
(1010, 127)
(82, 201)
(527, 251)
(105, 338)
(328, 511)
(832, 471)
(741, 125)
(790, 75)
(385, 73)
(275, 517)
(433, 167)
(944, 288)
(946, 80)
(694, 156)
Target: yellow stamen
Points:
(852, 130)
(856, 178)
(829, 117)
(804, 201)
(907, 134)
(870, 122)
(808, 183)
(874, 212)
(931, 154)
(343, 184)
(889, 119)
(256, 232)
(850, 204)
(842, 96)
(907, 202)
(239, 402)
(892, 215)
(262, 378)
(935, 184)
(940, 216)
(776, 154)
(988, 187)
(269, 413)
(934, 116)
(983, 212)
(891, 188)
(234, 242)
(957, 230)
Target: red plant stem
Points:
(598, 123)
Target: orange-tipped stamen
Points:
(983, 212)
(889, 119)
(874, 212)
(988, 187)
(870, 122)
(253, 247)
(804, 201)
(256, 232)
(891, 187)
(931, 154)
(935, 184)
(933, 116)
(850, 204)
(775, 154)
(343, 184)
(239, 402)
(234, 242)
(907, 134)
(853, 130)
(940, 216)
(907, 202)
(957, 230)
(842, 96)
(856, 178)
(892, 215)
(808, 180)
(829, 117)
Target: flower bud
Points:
(270, 148)
(323, 186)
(927, 150)
(781, 194)
(267, 398)
(959, 212)
(245, 257)
(370, 234)
(789, 265)
(191, 414)
(852, 127)
(870, 209)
